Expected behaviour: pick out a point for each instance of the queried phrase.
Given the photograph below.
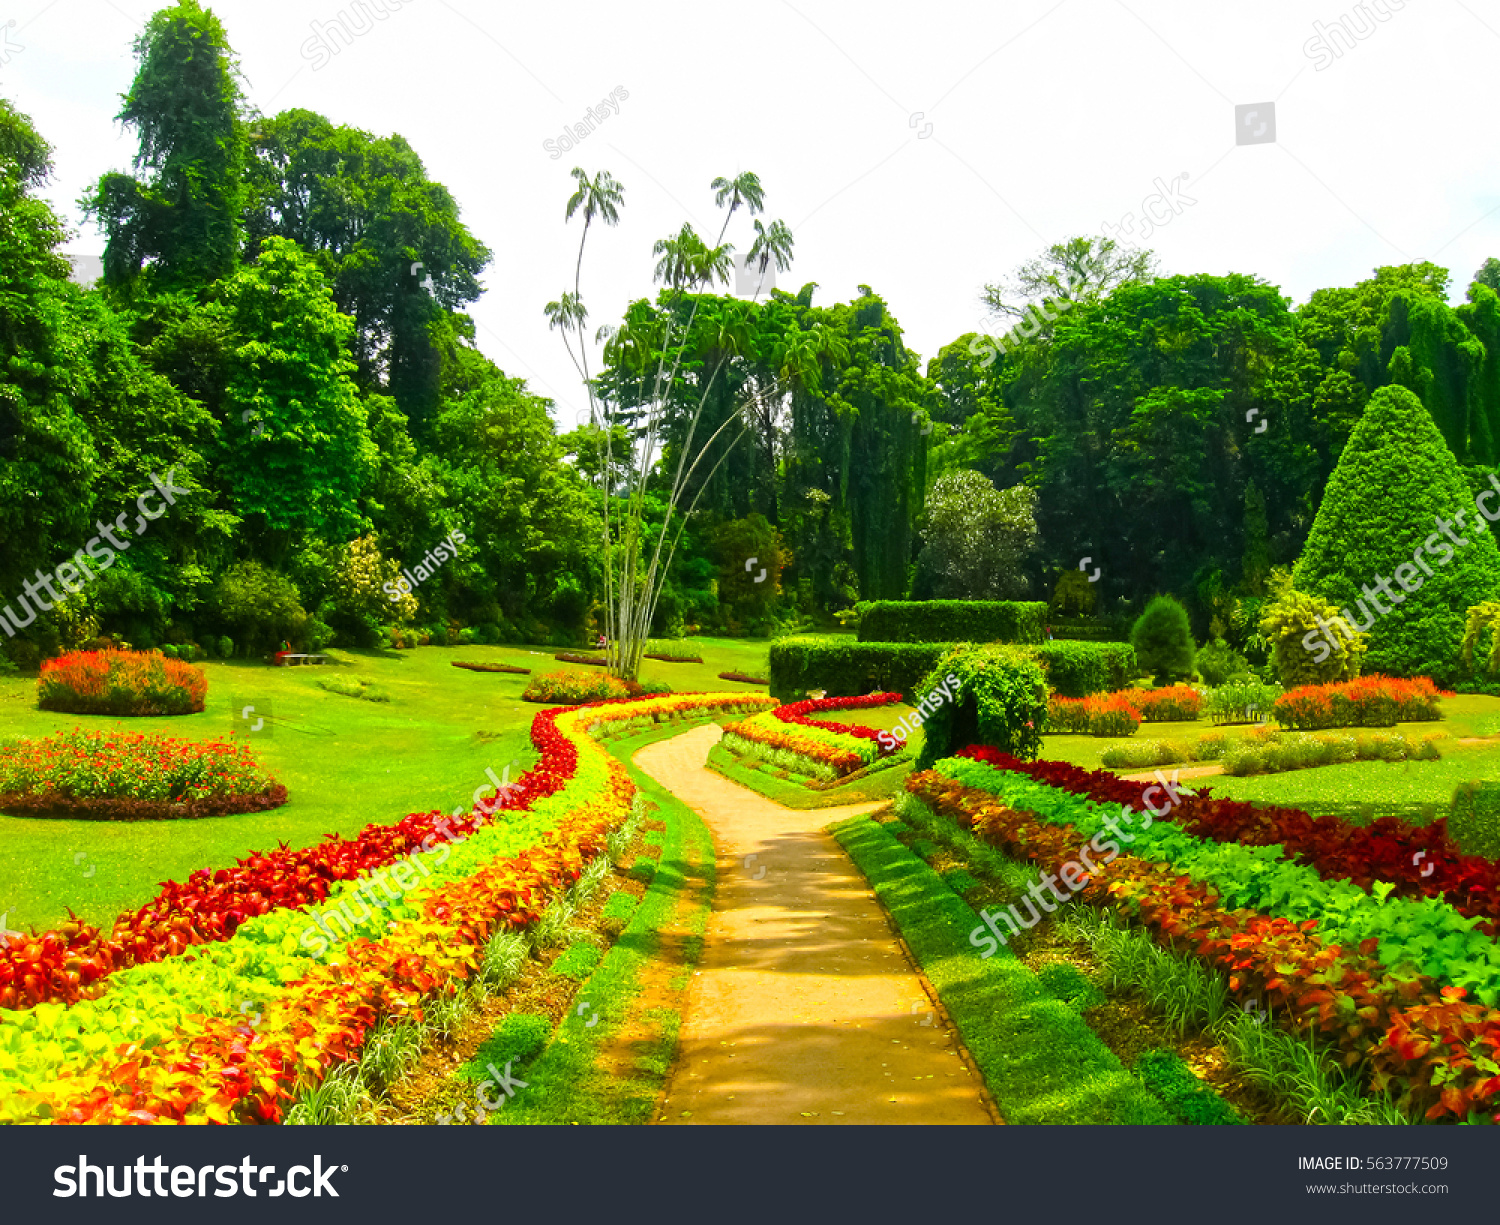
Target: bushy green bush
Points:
(1163, 640)
(997, 696)
(1474, 819)
(1310, 640)
(1217, 662)
(1395, 478)
(261, 606)
(952, 621)
(843, 667)
(1078, 669)
(1277, 752)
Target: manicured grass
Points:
(345, 764)
(1041, 1062)
(791, 790)
(1415, 791)
(566, 1084)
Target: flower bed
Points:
(572, 657)
(823, 749)
(1330, 956)
(122, 775)
(492, 668)
(574, 688)
(170, 1041)
(1369, 701)
(744, 678)
(1120, 713)
(121, 683)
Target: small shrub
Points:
(226, 647)
(1474, 819)
(1302, 651)
(353, 687)
(1143, 754)
(1218, 663)
(121, 683)
(1163, 640)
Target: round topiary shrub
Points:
(1163, 640)
(1474, 821)
(994, 695)
(121, 683)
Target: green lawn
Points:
(1416, 791)
(346, 762)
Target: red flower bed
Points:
(797, 712)
(121, 683)
(1369, 701)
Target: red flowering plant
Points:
(121, 683)
(121, 774)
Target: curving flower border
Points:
(167, 1043)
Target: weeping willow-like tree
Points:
(635, 407)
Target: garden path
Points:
(804, 1008)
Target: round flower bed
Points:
(577, 688)
(127, 776)
(121, 683)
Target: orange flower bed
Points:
(121, 683)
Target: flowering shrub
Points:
(1067, 715)
(1369, 701)
(122, 774)
(1174, 704)
(574, 688)
(121, 683)
(1111, 714)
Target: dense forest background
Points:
(281, 329)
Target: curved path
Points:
(804, 1009)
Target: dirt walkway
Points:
(805, 1010)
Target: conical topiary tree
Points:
(1163, 641)
(1379, 549)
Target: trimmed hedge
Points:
(952, 621)
(1078, 669)
(846, 668)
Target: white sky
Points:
(1047, 119)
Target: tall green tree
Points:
(389, 241)
(298, 448)
(183, 218)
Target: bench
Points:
(289, 659)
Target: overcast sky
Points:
(920, 149)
